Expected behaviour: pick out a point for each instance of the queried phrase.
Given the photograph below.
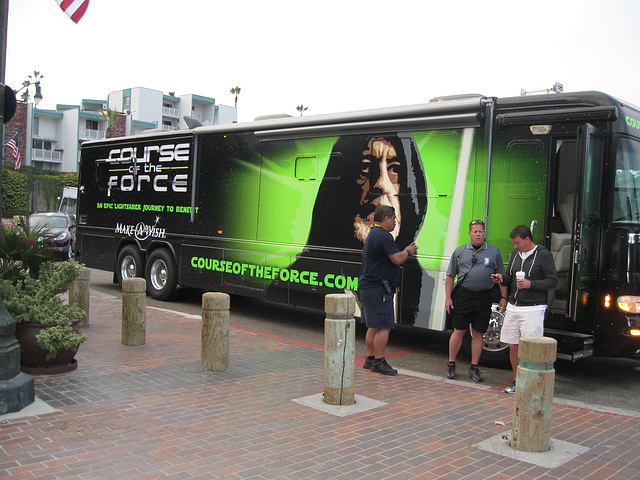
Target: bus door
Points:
(585, 242)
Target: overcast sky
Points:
(330, 56)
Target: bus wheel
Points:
(129, 264)
(494, 352)
(161, 275)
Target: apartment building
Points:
(168, 111)
(51, 139)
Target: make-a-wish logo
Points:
(141, 231)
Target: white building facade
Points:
(53, 137)
(168, 111)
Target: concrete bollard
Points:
(79, 293)
(134, 311)
(339, 349)
(534, 394)
(215, 332)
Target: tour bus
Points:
(279, 208)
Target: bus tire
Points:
(161, 275)
(129, 264)
(494, 352)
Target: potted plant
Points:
(31, 286)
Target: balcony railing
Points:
(171, 112)
(170, 128)
(88, 134)
(42, 155)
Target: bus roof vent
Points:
(192, 122)
(447, 98)
(271, 117)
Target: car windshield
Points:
(44, 221)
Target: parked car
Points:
(59, 231)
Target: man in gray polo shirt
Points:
(473, 264)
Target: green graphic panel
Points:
(292, 171)
(440, 152)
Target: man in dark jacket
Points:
(531, 274)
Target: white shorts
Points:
(522, 322)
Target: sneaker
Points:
(381, 366)
(368, 362)
(511, 389)
(451, 371)
(475, 375)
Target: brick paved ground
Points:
(149, 412)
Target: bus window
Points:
(626, 195)
(439, 151)
(306, 168)
(527, 169)
(309, 167)
(593, 172)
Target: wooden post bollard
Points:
(79, 293)
(215, 332)
(534, 394)
(134, 311)
(339, 349)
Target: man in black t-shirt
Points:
(381, 260)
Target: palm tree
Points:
(301, 109)
(235, 91)
(110, 116)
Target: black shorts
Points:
(377, 308)
(473, 308)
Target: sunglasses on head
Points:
(477, 222)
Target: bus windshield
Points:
(626, 195)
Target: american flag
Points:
(15, 149)
(74, 8)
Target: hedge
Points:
(26, 190)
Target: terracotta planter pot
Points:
(33, 358)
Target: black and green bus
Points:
(279, 208)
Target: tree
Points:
(235, 91)
(302, 109)
(110, 116)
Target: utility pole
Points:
(16, 388)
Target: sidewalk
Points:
(149, 412)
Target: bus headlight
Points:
(629, 303)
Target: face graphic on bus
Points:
(365, 171)
(379, 181)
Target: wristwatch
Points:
(408, 252)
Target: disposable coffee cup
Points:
(520, 275)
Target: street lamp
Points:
(38, 96)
